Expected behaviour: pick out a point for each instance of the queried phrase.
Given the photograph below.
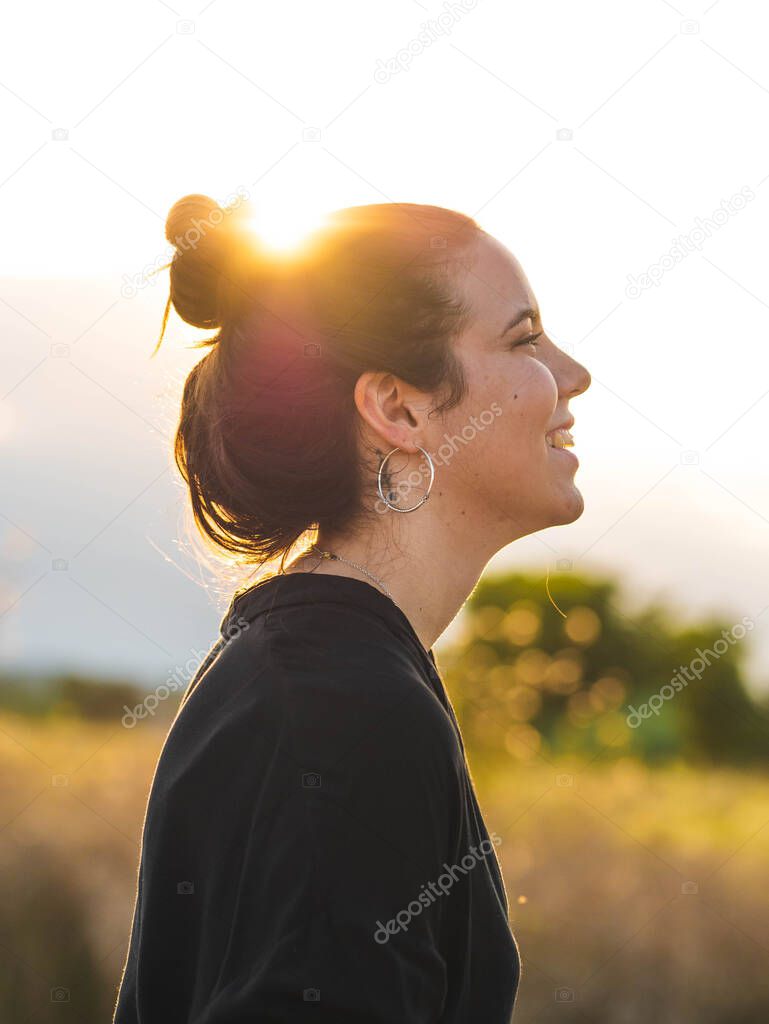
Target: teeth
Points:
(560, 439)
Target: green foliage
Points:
(72, 695)
(527, 681)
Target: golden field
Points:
(635, 894)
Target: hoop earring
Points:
(424, 497)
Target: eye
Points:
(531, 340)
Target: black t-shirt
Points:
(313, 849)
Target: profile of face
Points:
(510, 474)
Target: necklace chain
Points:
(360, 568)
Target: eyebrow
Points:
(525, 314)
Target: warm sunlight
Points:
(285, 227)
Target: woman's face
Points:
(507, 469)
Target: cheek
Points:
(530, 404)
(502, 422)
(519, 384)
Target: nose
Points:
(575, 378)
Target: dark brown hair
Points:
(268, 440)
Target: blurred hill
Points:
(72, 695)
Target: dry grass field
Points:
(636, 895)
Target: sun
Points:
(285, 228)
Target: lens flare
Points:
(285, 229)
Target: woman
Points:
(313, 848)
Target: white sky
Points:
(667, 106)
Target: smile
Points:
(559, 438)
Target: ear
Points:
(395, 411)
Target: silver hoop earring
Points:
(424, 497)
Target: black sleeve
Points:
(356, 859)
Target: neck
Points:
(428, 567)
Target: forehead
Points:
(496, 287)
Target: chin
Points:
(568, 508)
(576, 506)
(561, 510)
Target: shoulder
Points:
(345, 670)
(341, 640)
(323, 685)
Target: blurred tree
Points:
(68, 695)
(94, 699)
(527, 680)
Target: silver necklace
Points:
(360, 568)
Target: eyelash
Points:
(532, 340)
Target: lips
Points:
(559, 438)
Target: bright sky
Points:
(618, 149)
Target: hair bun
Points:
(197, 227)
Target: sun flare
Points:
(283, 228)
